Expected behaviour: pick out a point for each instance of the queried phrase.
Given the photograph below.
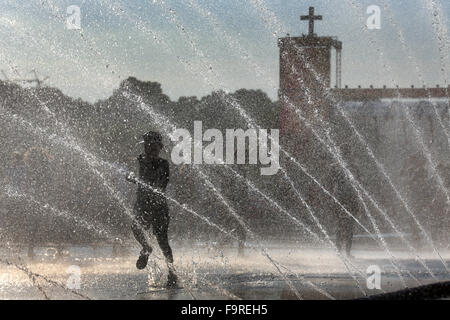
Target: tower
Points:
(305, 71)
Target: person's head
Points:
(152, 144)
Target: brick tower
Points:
(305, 74)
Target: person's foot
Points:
(172, 281)
(142, 261)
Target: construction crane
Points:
(36, 79)
(39, 82)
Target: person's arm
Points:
(131, 176)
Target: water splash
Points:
(46, 208)
(427, 153)
(273, 22)
(165, 123)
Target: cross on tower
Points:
(311, 17)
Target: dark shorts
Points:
(157, 218)
(152, 213)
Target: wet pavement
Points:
(293, 273)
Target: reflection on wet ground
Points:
(208, 274)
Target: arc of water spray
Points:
(254, 236)
(251, 185)
(175, 20)
(127, 210)
(236, 105)
(58, 14)
(191, 42)
(185, 207)
(444, 43)
(333, 149)
(441, 31)
(168, 123)
(273, 21)
(420, 75)
(34, 281)
(47, 109)
(34, 275)
(188, 67)
(415, 63)
(93, 162)
(148, 110)
(213, 22)
(11, 192)
(86, 156)
(427, 153)
(335, 152)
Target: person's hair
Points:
(153, 137)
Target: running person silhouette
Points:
(151, 206)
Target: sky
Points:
(193, 47)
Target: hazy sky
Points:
(195, 46)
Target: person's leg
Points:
(160, 230)
(30, 252)
(339, 233)
(241, 240)
(138, 228)
(348, 237)
(348, 244)
(339, 241)
(241, 247)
